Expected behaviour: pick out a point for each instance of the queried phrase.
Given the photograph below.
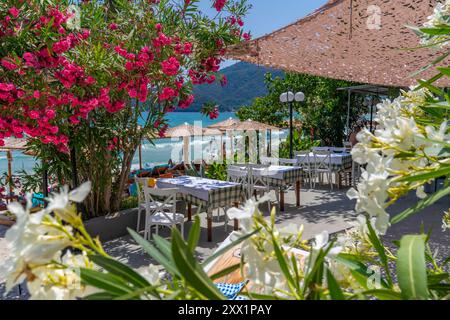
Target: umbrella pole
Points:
(140, 156)
(348, 113)
(186, 153)
(9, 156)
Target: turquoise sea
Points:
(159, 153)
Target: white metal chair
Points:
(258, 184)
(269, 161)
(322, 162)
(308, 167)
(356, 173)
(321, 149)
(288, 162)
(157, 213)
(339, 150)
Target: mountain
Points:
(245, 82)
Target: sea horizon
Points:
(159, 153)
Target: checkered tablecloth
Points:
(280, 176)
(339, 161)
(207, 193)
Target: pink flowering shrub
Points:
(71, 81)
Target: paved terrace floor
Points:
(320, 210)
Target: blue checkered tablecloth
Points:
(339, 161)
(207, 193)
(231, 291)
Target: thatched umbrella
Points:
(184, 131)
(225, 125)
(250, 125)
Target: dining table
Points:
(339, 161)
(280, 177)
(206, 194)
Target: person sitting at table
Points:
(353, 136)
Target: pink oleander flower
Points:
(167, 94)
(8, 64)
(214, 114)
(171, 66)
(219, 4)
(113, 26)
(224, 81)
(14, 12)
(184, 104)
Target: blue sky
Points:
(269, 15)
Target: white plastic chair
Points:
(157, 213)
(322, 162)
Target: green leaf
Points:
(225, 272)
(441, 30)
(384, 294)
(101, 296)
(194, 234)
(192, 271)
(445, 171)
(154, 253)
(163, 246)
(334, 288)
(411, 268)
(227, 248)
(283, 263)
(422, 204)
(375, 240)
(107, 282)
(359, 271)
(120, 270)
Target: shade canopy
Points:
(354, 40)
(184, 130)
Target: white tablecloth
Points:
(197, 187)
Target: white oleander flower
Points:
(31, 243)
(321, 242)
(245, 214)
(152, 274)
(371, 196)
(439, 18)
(446, 221)
(36, 240)
(60, 203)
(436, 139)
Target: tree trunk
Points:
(116, 197)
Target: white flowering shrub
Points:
(53, 253)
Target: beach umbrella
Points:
(224, 125)
(250, 125)
(12, 144)
(211, 132)
(184, 131)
